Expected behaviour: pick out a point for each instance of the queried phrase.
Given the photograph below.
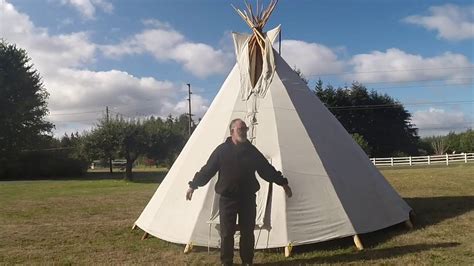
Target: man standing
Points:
(237, 160)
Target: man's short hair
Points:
(232, 123)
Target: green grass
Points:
(88, 220)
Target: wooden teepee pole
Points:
(358, 243)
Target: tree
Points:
(359, 139)
(453, 141)
(301, 75)
(114, 138)
(104, 141)
(130, 139)
(425, 147)
(133, 143)
(440, 145)
(382, 121)
(23, 104)
(166, 138)
(467, 141)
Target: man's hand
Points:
(288, 191)
(189, 194)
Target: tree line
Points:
(154, 138)
(451, 143)
(381, 125)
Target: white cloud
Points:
(78, 91)
(64, 22)
(311, 58)
(201, 59)
(440, 122)
(395, 65)
(48, 52)
(88, 89)
(78, 96)
(165, 44)
(104, 5)
(199, 106)
(87, 8)
(450, 21)
(156, 23)
(126, 96)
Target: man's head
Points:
(238, 130)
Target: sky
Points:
(136, 56)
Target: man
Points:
(237, 160)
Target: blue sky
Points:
(137, 56)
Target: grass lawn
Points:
(88, 220)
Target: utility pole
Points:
(189, 100)
(107, 120)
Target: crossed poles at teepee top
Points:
(256, 23)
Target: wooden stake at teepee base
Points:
(134, 226)
(145, 236)
(188, 248)
(288, 250)
(358, 243)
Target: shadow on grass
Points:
(138, 176)
(429, 212)
(368, 254)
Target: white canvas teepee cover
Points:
(337, 191)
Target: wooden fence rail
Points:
(424, 160)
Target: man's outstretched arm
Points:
(270, 174)
(202, 177)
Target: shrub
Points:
(40, 164)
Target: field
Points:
(88, 220)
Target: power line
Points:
(120, 114)
(73, 121)
(414, 81)
(427, 86)
(78, 113)
(388, 70)
(338, 108)
(360, 106)
(383, 106)
(452, 127)
(148, 106)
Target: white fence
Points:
(424, 160)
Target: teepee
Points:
(337, 191)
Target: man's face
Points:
(239, 132)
